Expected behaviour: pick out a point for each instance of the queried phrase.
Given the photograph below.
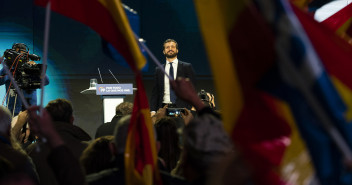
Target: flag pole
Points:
(45, 53)
(19, 92)
(152, 56)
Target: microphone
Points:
(101, 79)
(114, 76)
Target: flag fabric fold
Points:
(140, 155)
(249, 114)
(286, 78)
(340, 22)
(108, 19)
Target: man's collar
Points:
(175, 61)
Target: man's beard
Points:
(173, 55)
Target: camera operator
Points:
(21, 64)
(207, 98)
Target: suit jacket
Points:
(74, 138)
(107, 129)
(185, 70)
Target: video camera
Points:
(206, 98)
(203, 95)
(19, 53)
(26, 75)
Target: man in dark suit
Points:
(162, 93)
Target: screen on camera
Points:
(174, 111)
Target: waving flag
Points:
(108, 19)
(140, 154)
(317, 106)
(253, 117)
(303, 4)
(283, 74)
(335, 55)
(340, 22)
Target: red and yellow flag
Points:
(340, 22)
(108, 19)
(140, 155)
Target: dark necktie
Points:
(172, 93)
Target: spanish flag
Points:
(140, 155)
(108, 19)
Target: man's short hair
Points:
(124, 108)
(60, 110)
(5, 120)
(170, 40)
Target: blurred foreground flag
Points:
(335, 55)
(239, 48)
(280, 76)
(340, 22)
(141, 155)
(302, 4)
(108, 19)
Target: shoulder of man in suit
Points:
(184, 63)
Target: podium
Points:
(111, 94)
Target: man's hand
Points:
(44, 126)
(160, 114)
(187, 116)
(31, 62)
(22, 117)
(21, 120)
(184, 89)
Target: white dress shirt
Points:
(166, 98)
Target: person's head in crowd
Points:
(124, 108)
(97, 156)
(17, 171)
(5, 122)
(60, 110)
(205, 145)
(107, 129)
(120, 133)
(8, 175)
(166, 131)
